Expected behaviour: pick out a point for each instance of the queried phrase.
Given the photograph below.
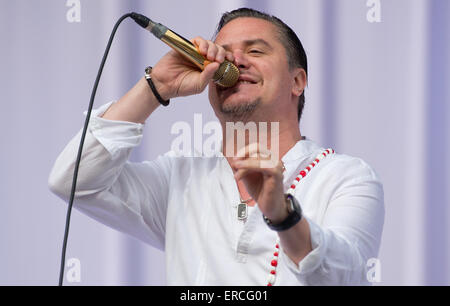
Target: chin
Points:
(239, 107)
(238, 97)
(234, 102)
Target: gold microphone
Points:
(226, 76)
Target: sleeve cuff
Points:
(112, 134)
(313, 260)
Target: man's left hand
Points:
(263, 179)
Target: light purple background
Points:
(379, 91)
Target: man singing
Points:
(313, 217)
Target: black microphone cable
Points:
(80, 148)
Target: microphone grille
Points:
(227, 75)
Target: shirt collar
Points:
(303, 148)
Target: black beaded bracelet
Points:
(148, 71)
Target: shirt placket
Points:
(247, 234)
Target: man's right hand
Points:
(175, 76)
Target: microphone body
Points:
(226, 76)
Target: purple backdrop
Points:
(377, 90)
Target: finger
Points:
(241, 173)
(250, 150)
(266, 172)
(212, 51)
(207, 74)
(221, 54)
(265, 167)
(229, 56)
(201, 44)
(253, 151)
(247, 164)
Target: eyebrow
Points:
(251, 42)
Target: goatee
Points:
(239, 112)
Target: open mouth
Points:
(240, 85)
(246, 79)
(244, 82)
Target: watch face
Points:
(291, 206)
(294, 205)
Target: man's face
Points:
(265, 83)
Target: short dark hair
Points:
(294, 49)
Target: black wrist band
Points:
(148, 71)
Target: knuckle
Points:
(212, 45)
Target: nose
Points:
(240, 60)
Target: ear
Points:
(299, 81)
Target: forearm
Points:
(129, 197)
(135, 106)
(98, 167)
(296, 241)
(345, 239)
(107, 145)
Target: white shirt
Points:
(186, 206)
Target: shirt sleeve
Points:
(129, 197)
(348, 236)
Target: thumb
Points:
(207, 74)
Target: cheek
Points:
(277, 82)
(285, 81)
(275, 72)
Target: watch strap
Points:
(292, 219)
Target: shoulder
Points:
(351, 167)
(341, 173)
(348, 180)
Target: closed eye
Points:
(254, 51)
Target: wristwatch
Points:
(295, 215)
